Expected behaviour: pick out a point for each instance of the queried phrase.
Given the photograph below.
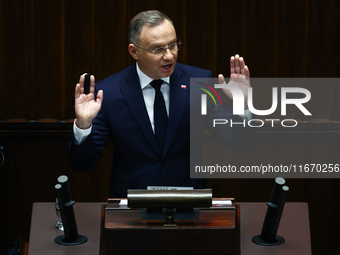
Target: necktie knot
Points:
(156, 84)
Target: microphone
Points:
(71, 236)
(271, 223)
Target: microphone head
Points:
(280, 180)
(65, 188)
(57, 186)
(62, 179)
(285, 188)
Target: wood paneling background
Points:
(46, 44)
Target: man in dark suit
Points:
(149, 126)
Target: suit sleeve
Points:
(240, 137)
(83, 156)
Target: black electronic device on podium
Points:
(169, 205)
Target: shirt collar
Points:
(145, 80)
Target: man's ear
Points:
(133, 51)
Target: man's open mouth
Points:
(167, 67)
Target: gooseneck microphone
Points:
(71, 236)
(271, 223)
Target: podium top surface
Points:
(43, 232)
(294, 227)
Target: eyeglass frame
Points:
(178, 42)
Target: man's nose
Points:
(168, 55)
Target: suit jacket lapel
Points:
(178, 98)
(134, 98)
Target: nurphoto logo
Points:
(239, 104)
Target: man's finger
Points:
(100, 96)
(82, 80)
(232, 64)
(221, 79)
(77, 91)
(92, 84)
(246, 72)
(242, 64)
(237, 64)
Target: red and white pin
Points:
(183, 86)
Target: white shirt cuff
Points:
(80, 134)
(247, 115)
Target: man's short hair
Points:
(151, 18)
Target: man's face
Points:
(156, 66)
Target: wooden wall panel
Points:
(110, 38)
(292, 27)
(78, 47)
(47, 59)
(324, 38)
(201, 34)
(234, 36)
(47, 45)
(17, 87)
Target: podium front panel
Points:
(214, 233)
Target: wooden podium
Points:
(123, 232)
(294, 227)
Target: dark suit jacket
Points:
(123, 119)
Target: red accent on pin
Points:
(183, 86)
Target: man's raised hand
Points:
(86, 106)
(239, 77)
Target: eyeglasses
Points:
(174, 47)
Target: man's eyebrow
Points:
(173, 41)
(156, 45)
(159, 45)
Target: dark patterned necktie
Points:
(159, 114)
